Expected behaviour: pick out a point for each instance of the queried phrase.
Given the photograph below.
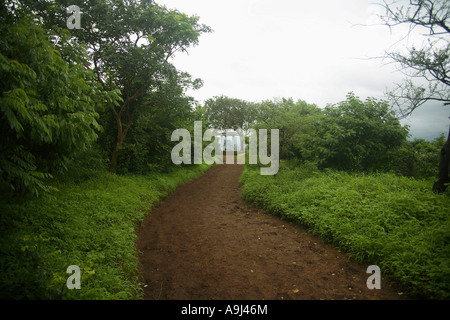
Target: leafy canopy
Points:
(48, 105)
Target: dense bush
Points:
(353, 135)
(48, 107)
(418, 158)
(357, 135)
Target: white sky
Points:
(315, 51)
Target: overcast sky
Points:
(316, 51)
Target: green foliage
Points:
(418, 158)
(69, 99)
(353, 135)
(229, 113)
(90, 223)
(61, 88)
(397, 223)
(48, 107)
(130, 44)
(297, 123)
(357, 136)
(148, 145)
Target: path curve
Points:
(205, 243)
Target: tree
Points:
(148, 146)
(431, 62)
(296, 122)
(48, 104)
(230, 113)
(417, 158)
(129, 44)
(357, 135)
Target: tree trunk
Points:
(122, 129)
(119, 140)
(114, 157)
(444, 164)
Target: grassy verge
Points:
(394, 222)
(91, 224)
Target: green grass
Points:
(90, 223)
(394, 222)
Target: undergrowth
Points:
(394, 222)
(90, 223)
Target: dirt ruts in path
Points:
(204, 242)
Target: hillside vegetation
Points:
(90, 223)
(394, 222)
(86, 119)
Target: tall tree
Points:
(130, 44)
(47, 103)
(148, 146)
(430, 62)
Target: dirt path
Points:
(204, 242)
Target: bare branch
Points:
(407, 97)
(432, 15)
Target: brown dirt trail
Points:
(204, 242)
